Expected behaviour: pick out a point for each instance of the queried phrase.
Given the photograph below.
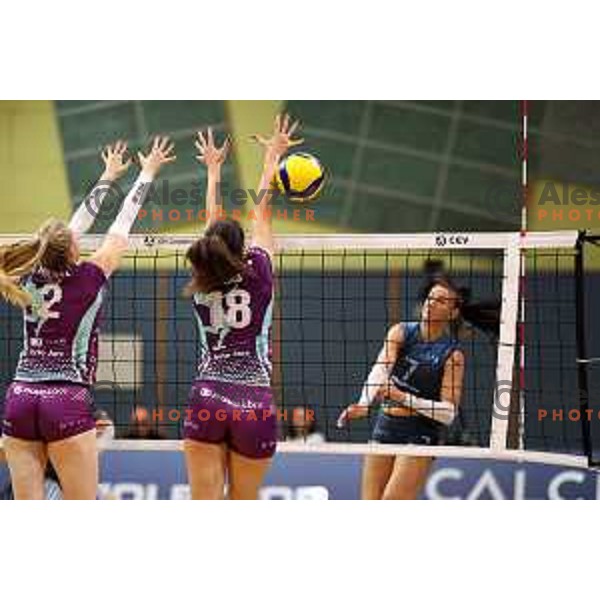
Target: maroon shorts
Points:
(47, 412)
(241, 416)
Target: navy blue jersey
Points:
(419, 368)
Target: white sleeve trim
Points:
(378, 376)
(131, 206)
(442, 411)
(89, 209)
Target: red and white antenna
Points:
(523, 152)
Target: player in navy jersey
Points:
(418, 381)
(230, 429)
(48, 412)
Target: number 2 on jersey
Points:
(44, 299)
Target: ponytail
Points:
(484, 315)
(214, 265)
(18, 260)
(48, 250)
(12, 293)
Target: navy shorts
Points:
(407, 430)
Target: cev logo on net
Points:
(444, 239)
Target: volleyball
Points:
(300, 177)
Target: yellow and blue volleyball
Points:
(300, 176)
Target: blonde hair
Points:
(49, 249)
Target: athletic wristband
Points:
(441, 411)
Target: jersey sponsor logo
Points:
(456, 239)
(237, 403)
(18, 389)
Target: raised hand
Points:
(113, 157)
(281, 140)
(159, 155)
(209, 154)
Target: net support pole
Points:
(582, 357)
(503, 391)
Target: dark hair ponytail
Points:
(482, 314)
(216, 258)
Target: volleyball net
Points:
(527, 392)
